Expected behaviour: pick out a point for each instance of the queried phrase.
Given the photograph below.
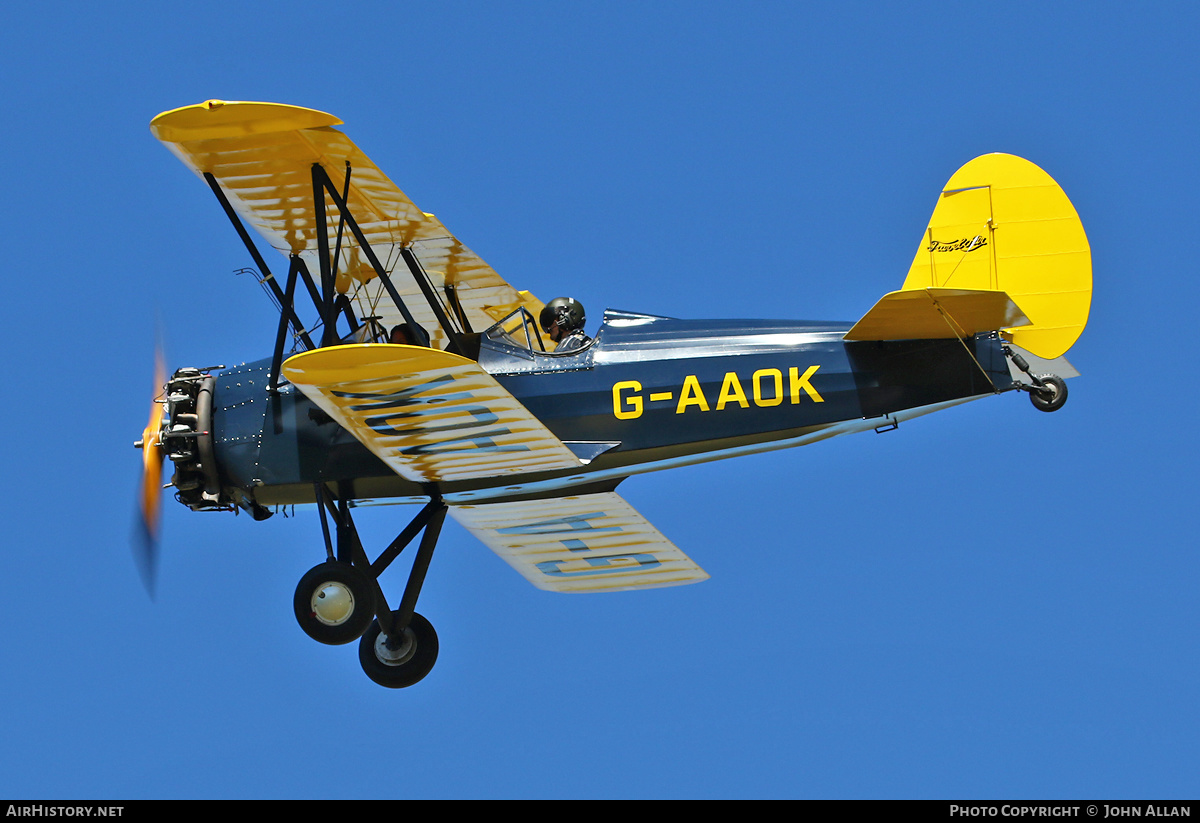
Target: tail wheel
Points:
(401, 661)
(1051, 396)
(334, 603)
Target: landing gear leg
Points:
(1047, 392)
(401, 647)
(336, 600)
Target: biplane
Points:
(474, 411)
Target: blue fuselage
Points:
(648, 392)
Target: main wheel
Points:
(1053, 402)
(334, 603)
(405, 664)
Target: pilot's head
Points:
(561, 316)
(402, 335)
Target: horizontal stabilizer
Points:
(934, 314)
(431, 416)
(580, 543)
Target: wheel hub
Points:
(332, 603)
(400, 655)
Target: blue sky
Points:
(989, 602)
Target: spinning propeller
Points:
(146, 533)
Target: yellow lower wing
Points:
(429, 415)
(580, 543)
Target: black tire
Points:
(412, 661)
(1054, 402)
(329, 580)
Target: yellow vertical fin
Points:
(1002, 223)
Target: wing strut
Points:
(418, 273)
(342, 304)
(325, 299)
(328, 333)
(321, 182)
(288, 295)
(327, 308)
(285, 307)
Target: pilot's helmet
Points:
(567, 311)
(402, 335)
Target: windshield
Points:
(518, 329)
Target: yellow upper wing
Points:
(262, 155)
